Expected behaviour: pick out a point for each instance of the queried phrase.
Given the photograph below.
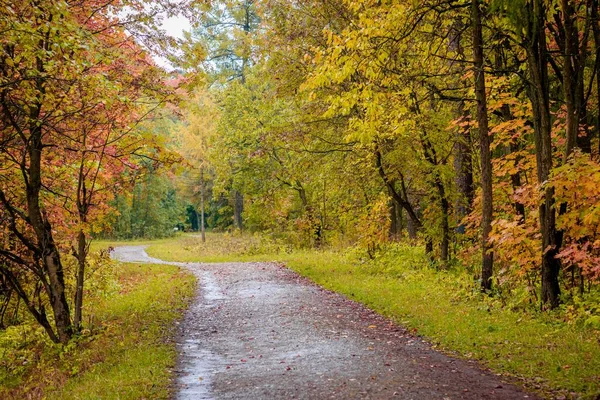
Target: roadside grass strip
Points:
(126, 350)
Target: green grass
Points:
(102, 244)
(538, 349)
(219, 247)
(126, 352)
(544, 353)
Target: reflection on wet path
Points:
(196, 364)
(259, 331)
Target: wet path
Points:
(259, 331)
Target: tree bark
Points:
(393, 210)
(411, 229)
(596, 31)
(537, 63)
(202, 194)
(81, 256)
(43, 230)
(463, 160)
(515, 180)
(484, 149)
(574, 54)
(463, 166)
(238, 209)
(431, 157)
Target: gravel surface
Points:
(260, 331)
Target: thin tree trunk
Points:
(445, 245)
(463, 162)
(596, 32)
(81, 256)
(537, 61)
(570, 69)
(401, 201)
(202, 194)
(463, 165)
(574, 49)
(431, 157)
(7, 297)
(484, 149)
(238, 209)
(516, 184)
(411, 229)
(513, 146)
(393, 217)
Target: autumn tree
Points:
(64, 89)
(352, 104)
(193, 138)
(226, 30)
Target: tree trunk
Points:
(411, 229)
(463, 160)
(463, 166)
(202, 194)
(484, 149)
(431, 157)
(537, 62)
(43, 230)
(570, 76)
(513, 146)
(81, 256)
(402, 201)
(393, 218)
(596, 31)
(574, 60)
(238, 209)
(445, 245)
(515, 179)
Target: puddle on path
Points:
(210, 289)
(197, 367)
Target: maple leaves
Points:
(71, 85)
(576, 184)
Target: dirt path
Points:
(260, 331)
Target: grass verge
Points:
(547, 354)
(125, 352)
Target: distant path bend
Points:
(260, 331)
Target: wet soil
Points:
(260, 331)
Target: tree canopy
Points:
(468, 127)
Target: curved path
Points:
(260, 331)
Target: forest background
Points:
(467, 129)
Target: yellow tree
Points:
(193, 138)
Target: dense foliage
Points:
(75, 86)
(470, 126)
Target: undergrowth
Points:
(125, 350)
